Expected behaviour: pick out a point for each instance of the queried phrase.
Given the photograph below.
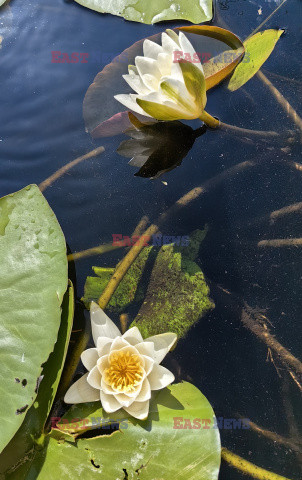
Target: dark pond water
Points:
(42, 129)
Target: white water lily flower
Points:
(169, 81)
(122, 369)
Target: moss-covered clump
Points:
(177, 294)
(166, 285)
(130, 290)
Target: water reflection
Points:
(158, 148)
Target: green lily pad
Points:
(27, 437)
(257, 50)
(32, 285)
(149, 450)
(145, 11)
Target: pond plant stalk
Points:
(63, 170)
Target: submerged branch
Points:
(107, 247)
(59, 173)
(276, 438)
(281, 242)
(289, 110)
(247, 467)
(289, 209)
(281, 77)
(262, 332)
(99, 250)
(133, 253)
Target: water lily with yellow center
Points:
(122, 369)
(167, 88)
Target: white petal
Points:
(129, 101)
(160, 377)
(89, 358)
(164, 63)
(124, 400)
(135, 82)
(81, 392)
(103, 363)
(176, 71)
(162, 344)
(103, 345)
(147, 66)
(149, 362)
(187, 47)
(106, 388)
(95, 378)
(118, 344)
(151, 49)
(151, 82)
(168, 44)
(109, 403)
(145, 393)
(138, 410)
(133, 336)
(101, 324)
(146, 348)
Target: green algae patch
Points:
(166, 285)
(177, 295)
(129, 292)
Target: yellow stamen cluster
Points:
(125, 371)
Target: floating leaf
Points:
(257, 50)
(32, 428)
(32, 285)
(99, 106)
(146, 11)
(217, 68)
(140, 448)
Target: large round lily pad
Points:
(33, 281)
(149, 450)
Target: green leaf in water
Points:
(257, 50)
(25, 440)
(32, 285)
(146, 11)
(150, 449)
